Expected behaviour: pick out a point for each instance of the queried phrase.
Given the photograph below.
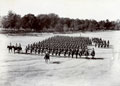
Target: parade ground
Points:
(31, 70)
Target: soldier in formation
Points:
(100, 43)
(61, 45)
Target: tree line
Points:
(53, 23)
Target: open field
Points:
(31, 70)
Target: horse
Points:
(18, 49)
(10, 48)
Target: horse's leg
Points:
(49, 60)
(14, 50)
(46, 60)
(26, 51)
(17, 50)
(9, 50)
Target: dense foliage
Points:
(52, 22)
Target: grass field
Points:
(31, 70)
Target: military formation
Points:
(63, 45)
(74, 47)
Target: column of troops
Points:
(63, 45)
(100, 43)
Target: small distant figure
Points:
(19, 45)
(16, 45)
(93, 53)
(26, 50)
(80, 52)
(108, 43)
(10, 47)
(86, 53)
(47, 57)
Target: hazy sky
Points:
(83, 9)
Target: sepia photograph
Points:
(59, 43)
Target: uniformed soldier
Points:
(47, 57)
(108, 44)
(59, 52)
(72, 52)
(76, 52)
(65, 51)
(80, 52)
(56, 52)
(35, 50)
(86, 53)
(31, 50)
(93, 53)
(39, 51)
(26, 50)
(69, 53)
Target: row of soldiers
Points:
(62, 45)
(100, 43)
(65, 52)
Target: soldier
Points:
(52, 51)
(108, 44)
(35, 50)
(98, 45)
(80, 52)
(73, 52)
(15, 48)
(93, 53)
(42, 49)
(95, 44)
(26, 50)
(76, 52)
(104, 44)
(47, 57)
(19, 45)
(31, 50)
(101, 45)
(16, 45)
(86, 53)
(69, 53)
(59, 52)
(39, 51)
(65, 51)
(56, 52)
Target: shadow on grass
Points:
(91, 58)
(56, 62)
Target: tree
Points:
(59, 27)
(43, 21)
(12, 20)
(53, 22)
(53, 18)
(29, 22)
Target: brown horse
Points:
(18, 49)
(10, 48)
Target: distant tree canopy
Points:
(52, 22)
